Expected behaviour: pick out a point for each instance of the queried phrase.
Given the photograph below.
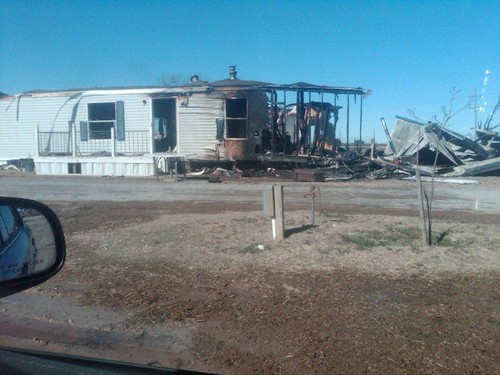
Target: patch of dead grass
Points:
(229, 241)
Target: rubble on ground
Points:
(455, 155)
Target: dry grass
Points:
(352, 294)
(230, 241)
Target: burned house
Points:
(138, 131)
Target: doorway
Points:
(164, 125)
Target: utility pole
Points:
(474, 99)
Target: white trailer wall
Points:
(19, 116)
(196, 118)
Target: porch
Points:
(76, 143)
(101, 154)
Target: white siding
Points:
(196, 123)
(18, 118)
(18, 134)
(129, 166)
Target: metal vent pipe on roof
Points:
(232, 72)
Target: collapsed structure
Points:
(413, 143)
(138, 131)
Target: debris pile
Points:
(411, 145)
(344, 166)
(456, 154)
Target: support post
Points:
(283, 126)
(360, 119)
(155, 168)
(279, 212)
(313, 193)
(325, 129)
(37, 140)
(273, 121)
(113, 142)
(347, 124)
(73, 140)
(151, 140)
(299, 122)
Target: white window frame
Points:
(98, 121)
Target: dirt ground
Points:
(200, 284)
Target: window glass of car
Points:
(8, 223)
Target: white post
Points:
(73, 139)
(37, 140)
(279, 212)
(151, 140)
(269, 207)
(113, 142)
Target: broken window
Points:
(102, 117)
(236, 118)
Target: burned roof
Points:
(238, 83)
(231, 83)
(299, 86)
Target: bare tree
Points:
(487, 124)
(426, 198)
(174, 80)
(179, 80)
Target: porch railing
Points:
(136, 142)
(54, 143)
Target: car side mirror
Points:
(32, 245)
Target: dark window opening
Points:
(102, 117)
(74, 168)
(236, 128)
(100, 130)
(101, 111)
(236, 118)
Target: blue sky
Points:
(410, 53)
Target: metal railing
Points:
(54, 143)
(136, 142)
(96, 145)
